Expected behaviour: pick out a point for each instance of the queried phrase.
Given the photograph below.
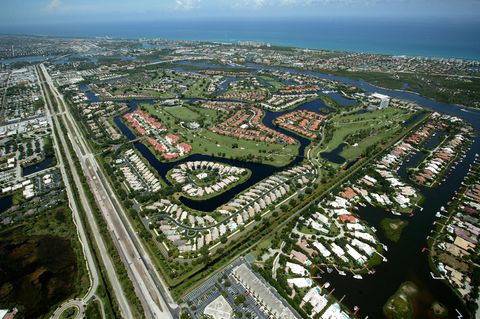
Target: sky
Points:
(21, 12)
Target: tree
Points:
(240, 299)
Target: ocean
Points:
(413, 37)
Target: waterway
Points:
(405, 259)
(25, 59)
(92, 97)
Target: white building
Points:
(382, 100)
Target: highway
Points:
(149, 286)
(81, 234)
(70, 165)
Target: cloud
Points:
(186, 4)
(273, 3)
(304, 3)
(54, 4)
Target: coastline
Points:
(397, 37)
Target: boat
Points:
(362, 204)
(358, 277)
(396, 213)
(342, 273)
(374, 229)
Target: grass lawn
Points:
(206, 142)
(307, 230)
(262, 246)
(69, 313)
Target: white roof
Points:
(300, 282)
(219, 309)
(380, 96)
(296, 269)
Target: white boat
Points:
(358, 277)
(341, 272)
(396, 213)
(374, 229)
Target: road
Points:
(80, 227)
(149, 286)
(54, 120)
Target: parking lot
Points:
(224, 284)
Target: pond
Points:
(5, 203)
(45, 163)
(334, 155)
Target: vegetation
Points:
(93, 310)
(400, 305)
(44, 243)
(393, 227)
(69, 313)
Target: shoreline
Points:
(286, 44)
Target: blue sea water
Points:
(414, 37)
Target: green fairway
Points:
(198, 89)
(359, 131)
(182, 113)
(277, 85)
